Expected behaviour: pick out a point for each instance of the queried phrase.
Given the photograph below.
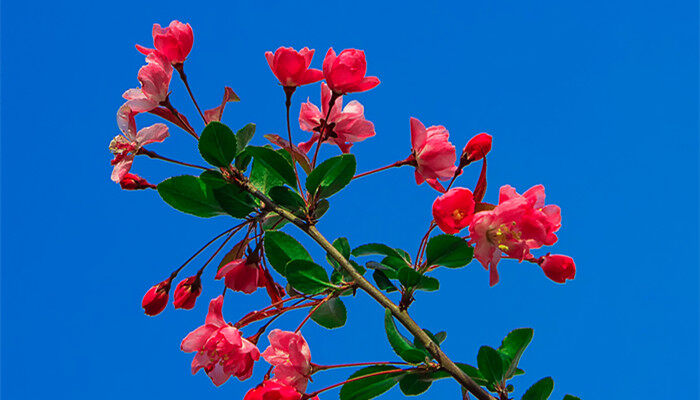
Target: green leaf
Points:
(213, 179)
(375, 248)
(320, 209)
(413, 384)
(427, 283)
(217, 145)
(287, 198)
(540, 390)
(234, 200)
(513, 346)
(331, 314)
(467, 369)
(331, 176)
(441, 336)
(395, 263)
(190, 195)
(402, 346)
(449, 251)
(244, 135)
(275, 163)
(434, 338)
(570, 397)
(409, 277)
(371, 387)
(383, 282)
(491, 364)
(307, 277)
(273, 222)
(242, 161)
(343, 246)
(281, 248)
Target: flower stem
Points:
(317, 368)
(180, 68)
(288, 91)
(167, 104)
(205, 246)
(157, 156)
(396, 164)
(313, 310)
(334, 96)
(316, 393)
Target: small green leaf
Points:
(540, 390)
(467, 369)
(513, 346)
(427, 283)
(273, 222)
(287, 198)
(491, 364)
(449, 251)
(375, 248)
(190, 195)
(395, 263)
(217, 144)
(383, 282)
(570, 397)
(244, 135)
(441, 336)
(242, 161)
(403, 348)
(413, 384)
(371, 387)
(409, 277)
(281, 248)
(331, 314)
(234, 200)
(307, 277)
(213, 179)
(331, 176)
(321, 207)
(275, 163)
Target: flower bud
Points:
(135, 182)
(186, 292)
(476, 148)
(155, 300)
(291, 67)
(345, 72)
(174, 41)
(558, 267)
(271, 390)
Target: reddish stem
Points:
(205, 246)
(312, 311)
(396, 164)
(331, 103)
(157, 156)
(166, 103)
(316, 393)
(180, 68)
(288, 91)
(317, 368)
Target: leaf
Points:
(403, 348)
(297, 154)
(570, 397)
(273, 221)
(395, 263)
(383, 282)
(307, 277)
(540, 390)
(467, 369)
(331, 176)
(409, 277)
(287, 198)
(235, 253)
(217, 144)
(449, 251)
(274, 163)
(491, 364)
(413, 384)
(343, 246)
(371, 387)
(513, 346)
(417, 342)
(242, 161)
(190, 195)
(234, 200)
(244, 135)
(213, 179)
(375, 248)
(427, 283)
(331, 314)
(441, 336)
(281, 248)
(320, 209)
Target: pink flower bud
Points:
(477, 147)
(134, 182)
(156, 298)
(345, 73)
(454, 210)
(291, 67)
(270, 390)
(558, 267)
(186, 292)
(290, 355)
(174, 41)
(242, 275)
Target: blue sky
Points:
(596, 100)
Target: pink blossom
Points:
(345, 73)
(343, 128)
(156, 298)
(516, 225)
(242, 275)
(174, 41)
(477, 147)
(291, 67)
(186, 292)
(453, 211)
(135, 182)
(221, 351)
(556, 267)
(126, 146)
(433, 155)
(271, 390)
(155, 79)
(290, 354)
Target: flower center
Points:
(458, 214)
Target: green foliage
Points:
(513, 346)
(383, 283)
(190, 195)
(570, 397)
(371, 387)
(217, 144)
(449, 251)
(281, 248)
(379, 249)
(402, 346)
(307, 277)
(492, 364)
(234, 200)
(287, 198)
(244, 135)
(413, 384)
(331, 176)
(331, 314)
(540, 390)
(274, 168)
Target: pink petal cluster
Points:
(242, 275)
(558, 267)
(271, 390)
(155, 79)
(174, 41)
(156, 298)
(126, 146)
(344, 126)
(290, 354)
(291, 67)
(345, 73)
(516, 225)
(477, 147)
(186, 292)
(433, 154)
(221, 351)
(453, 211)
(134, 182)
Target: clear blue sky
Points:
(596, 100)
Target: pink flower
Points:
(290, 354)
(186, 292)
(343, 128)
(174, 42)
(433, 155)
(156, 298)
(221, 351)
(155, 79)
(271, 390)
(135, 182)
(126, 146)
(242, 275)
(477, 147)
(345, 73)
(557, 267)
(516, 225)
(291, 67)
(453, 211)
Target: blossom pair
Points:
(186, 293)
